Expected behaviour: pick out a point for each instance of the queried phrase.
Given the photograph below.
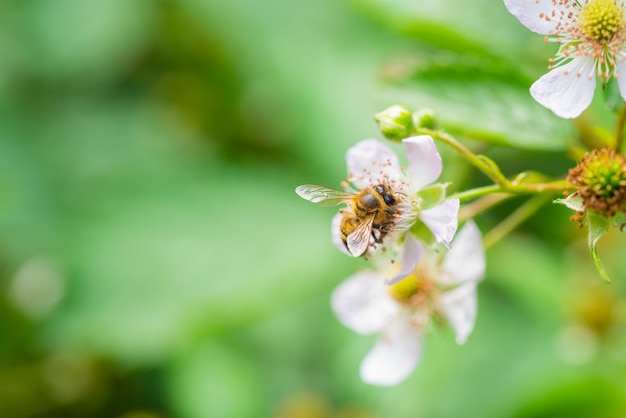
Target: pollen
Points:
(415, 290)
(600, 180)
(405, 289)
(602, 20)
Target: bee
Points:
(370, 213)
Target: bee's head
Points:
(386, 193)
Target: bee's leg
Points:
(377, 234)
(383, 230)
(389, 211)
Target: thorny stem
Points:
(619, 129)
(514, 219)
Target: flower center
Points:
(600, 179)
(601, 20)
(415, 289)
(589, 28)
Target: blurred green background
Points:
(155, 261)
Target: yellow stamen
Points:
(405, 289)
(601, 20)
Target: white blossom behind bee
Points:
(400, 314)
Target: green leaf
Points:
(486, 100)
(475, 28)
(598, 226)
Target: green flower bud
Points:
(424, 118)
(395, 122)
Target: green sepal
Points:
(424, 118)
(598, 226)
(432, 195)
(422, 233)
(619, 220)
(612, 95)
(573, 201)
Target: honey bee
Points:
(370, 213)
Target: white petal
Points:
(442, 220)
(465, 262)
(412, 254)
(369, 162)
(532, 13)
(393, 358)
(424, 161)
(567, 90)
(621, 79)
(336, 234)
(362, 303)
(460, 306)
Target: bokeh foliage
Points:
(155, 261)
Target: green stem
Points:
(472, 209)
(535, 188)
(490, 170)
(619, 129)
(472, 194)
(513, 188)
(514, 219)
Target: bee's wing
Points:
(322, 195)
(359, 239)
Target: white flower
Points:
(371, 163)
(591, 35)
(400, 313)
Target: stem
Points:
(513, 188)
(487, 202)
(533, 188)
(619, 129)
(491, 171)
(477, 192)
(514, 219)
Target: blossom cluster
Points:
(423, 272)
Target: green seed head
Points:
(600, 179)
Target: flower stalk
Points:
(491, 170)
(516, 218)
(619, 129)
(483, 164)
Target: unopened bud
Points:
(395, 122)
(424, 118)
